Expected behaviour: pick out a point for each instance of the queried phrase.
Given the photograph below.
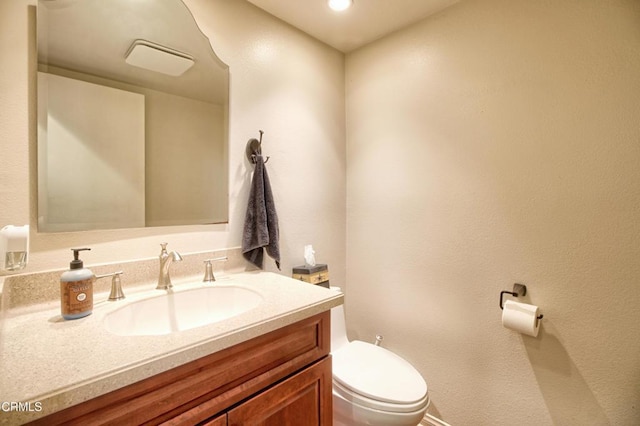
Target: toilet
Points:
(371, 384)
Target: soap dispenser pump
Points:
(76, 289)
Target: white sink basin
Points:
(179, 311)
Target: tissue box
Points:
(318, 275)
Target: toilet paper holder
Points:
(519, 290)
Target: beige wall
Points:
(282, 82)
(493, 143)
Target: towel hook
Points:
(254, 147)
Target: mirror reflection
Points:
(132, 117)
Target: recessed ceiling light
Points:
(340, 5)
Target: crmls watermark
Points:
(8, 406)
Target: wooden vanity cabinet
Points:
(277, 379)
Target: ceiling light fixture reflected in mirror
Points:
(154, 57)
(340, 5)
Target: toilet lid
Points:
(377, 373)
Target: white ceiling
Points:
(364, 22)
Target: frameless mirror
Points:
(132, 117)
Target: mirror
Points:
(132, 117)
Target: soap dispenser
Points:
(14, 248)
(76, 289)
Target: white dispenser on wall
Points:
(14, 248)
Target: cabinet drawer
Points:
(207, 386)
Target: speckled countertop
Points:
(57, 363)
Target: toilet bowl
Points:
(371, 384)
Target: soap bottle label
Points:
(77, 296)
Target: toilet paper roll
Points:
(521, 317)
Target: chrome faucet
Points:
(164, 280)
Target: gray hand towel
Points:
(261, 221)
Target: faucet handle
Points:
(116, 285)
(208, 272)
(208, 269)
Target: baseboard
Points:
(430, 420)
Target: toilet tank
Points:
(338, 327)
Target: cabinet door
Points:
(301, 400)
(218, 421)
